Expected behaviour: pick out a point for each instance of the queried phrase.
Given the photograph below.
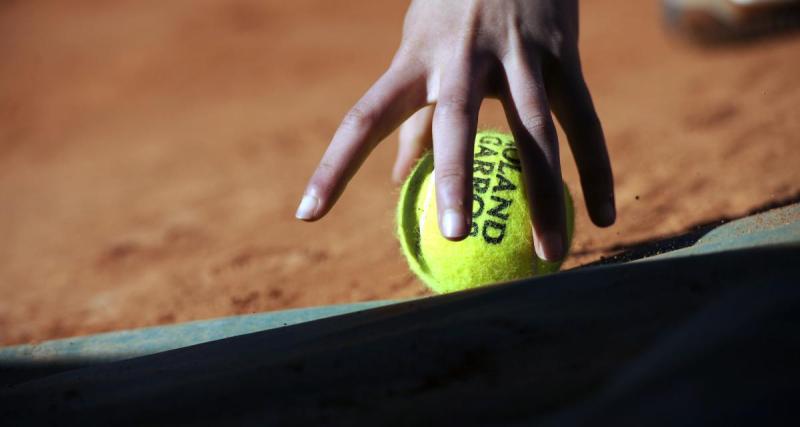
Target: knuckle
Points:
(538, 124)
(600, 174)
(359, 118)
(326, 168)
(550, 196)
(589, 122)
(325, 176)
(408, 58)
(454, 100)
(454, 105)
(450, 177)
(557, 43)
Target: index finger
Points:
(392, 99)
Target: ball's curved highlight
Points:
(499, 247)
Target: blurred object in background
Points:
(713, 21)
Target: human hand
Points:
(453, 54)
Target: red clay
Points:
(152, 153)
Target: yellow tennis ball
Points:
(499, 247)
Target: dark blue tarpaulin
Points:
(705, 335)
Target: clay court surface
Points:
(152, 153)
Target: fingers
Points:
(572, 104)
(528, 115)
(454, 124)
(393, 98)
(415, 137)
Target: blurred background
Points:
(152, 153)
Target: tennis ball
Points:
(499, 247)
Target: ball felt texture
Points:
(499, 247)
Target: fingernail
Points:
(307, 207)
(609, 213)
(452, 224)
(549, 247)
(397, 175)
